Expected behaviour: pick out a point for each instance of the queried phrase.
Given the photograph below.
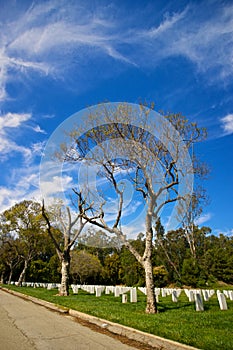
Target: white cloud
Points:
(226, 232)
(204, 40)
(227, 124)
(13, 120)
(202, 219)
(38, 129)
(23, 184)
(7, 145)
(47, 35)
(134, 228)
(166, 24)
(38, 148)
(56, 187)
(49, 38)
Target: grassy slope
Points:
(211, 329)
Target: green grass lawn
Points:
(210, 330)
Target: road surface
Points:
(27, 326)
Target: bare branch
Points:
(49, 228)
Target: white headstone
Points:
(163, 292)
(133, 295)
(98, 291)
(199, 302)
(205, 295)
(116, 292)
(124, 298)
(74, 288)
(49, 287)
(231, 294)
(174, 296)
(222, 301)
(191, 296)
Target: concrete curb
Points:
(44, 303)
(115, 328)
(133, 334)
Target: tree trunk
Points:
(65, 269)
(10, 276)
(2, 278)
(151, 307)
(23, 273)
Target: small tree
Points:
(84, 266)
(60, 217)
(23, 224)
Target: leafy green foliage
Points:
(85, 267)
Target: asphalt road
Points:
(25, 325)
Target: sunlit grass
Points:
(210, 330)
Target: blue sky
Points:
(58, 57)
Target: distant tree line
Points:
(27, 253)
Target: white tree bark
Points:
(22, 275)
(65, 267)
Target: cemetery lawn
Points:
(211, 329)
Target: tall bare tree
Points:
(150, 151)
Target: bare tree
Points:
(59, 217)
(149, 150)
(191, 215)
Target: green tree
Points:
(23, 222)
(190, 272)
(85, 267)
(218, 258)
(171, 249)
(132, 271)
(113, 269)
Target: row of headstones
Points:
(194, 295)
(38, 285)
(206, 294)
(116, 290)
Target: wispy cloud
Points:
(204, 40)
(11, 122)
(227, 124)
(38, 148)
(167, 23)
(23, 184)
(51, 37)
(8, 146)
(43, 36)
(202, 219)
(38, 129)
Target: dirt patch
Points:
(121, 338)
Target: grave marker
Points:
(124, 298)
(199, 302)
(133, 295)
(222, 301)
